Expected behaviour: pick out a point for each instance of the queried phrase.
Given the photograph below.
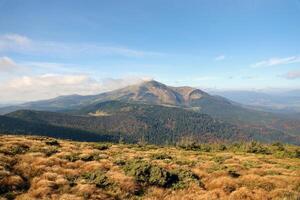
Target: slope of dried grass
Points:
(44, 168)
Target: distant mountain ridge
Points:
(278, 102)
(151, 92)
(107, 112)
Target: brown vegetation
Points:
(44, 168)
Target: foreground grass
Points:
(44, 168)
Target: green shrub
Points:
(161, 156)
(101, 146)
(297, 153)
(255, 147)
(196, 147)
(49, 151)
(185, 177)
(120, 162)
(72, 179)
(279, 146)
(89, 157)
(205, 148)
(72, 157)
(145, 173)
(190, 163)
(190, 146)
(98, 178)
(15, 149)
(219, 159)
(52, 143)
(10, 196)
(222, 147)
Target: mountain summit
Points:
(150, 92)
(154, 92)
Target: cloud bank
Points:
(30, 88)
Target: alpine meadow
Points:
(150, 100)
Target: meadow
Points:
(46, 168)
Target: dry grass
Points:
(43, 168)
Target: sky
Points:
(62, 47)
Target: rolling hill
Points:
(155, 124)
(13, 125)
(137, 122)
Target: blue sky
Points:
(57, 47)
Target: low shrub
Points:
(89, 157)
(297, 153)
(101, 146)
(222, 147)
(145, 173)
(98, 178)
(161, 156)
(72, 180)
(233, 174)
(120, 162)
(15, 149)
(72, 157)
(185, 177)
(196, 147)
(255, 147)
(52, 143)
(279, 146)
(49, 151)
(190, 146)
(219, 159)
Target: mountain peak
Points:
(152, 83)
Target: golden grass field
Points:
(45, 168)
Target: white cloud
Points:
(25, 45)
(30, 88)
(14, 42)
(220, 57)
(292, 75)
(18, 39)
(276, 61)
(7, 64)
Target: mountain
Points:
(160, 113)
(278, 102)
(150, 92)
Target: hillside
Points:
(13, 125)
(153, 124)
(45, 168)
(135, 122)
(155, 93)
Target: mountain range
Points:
(272, 101)
(152, 112)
